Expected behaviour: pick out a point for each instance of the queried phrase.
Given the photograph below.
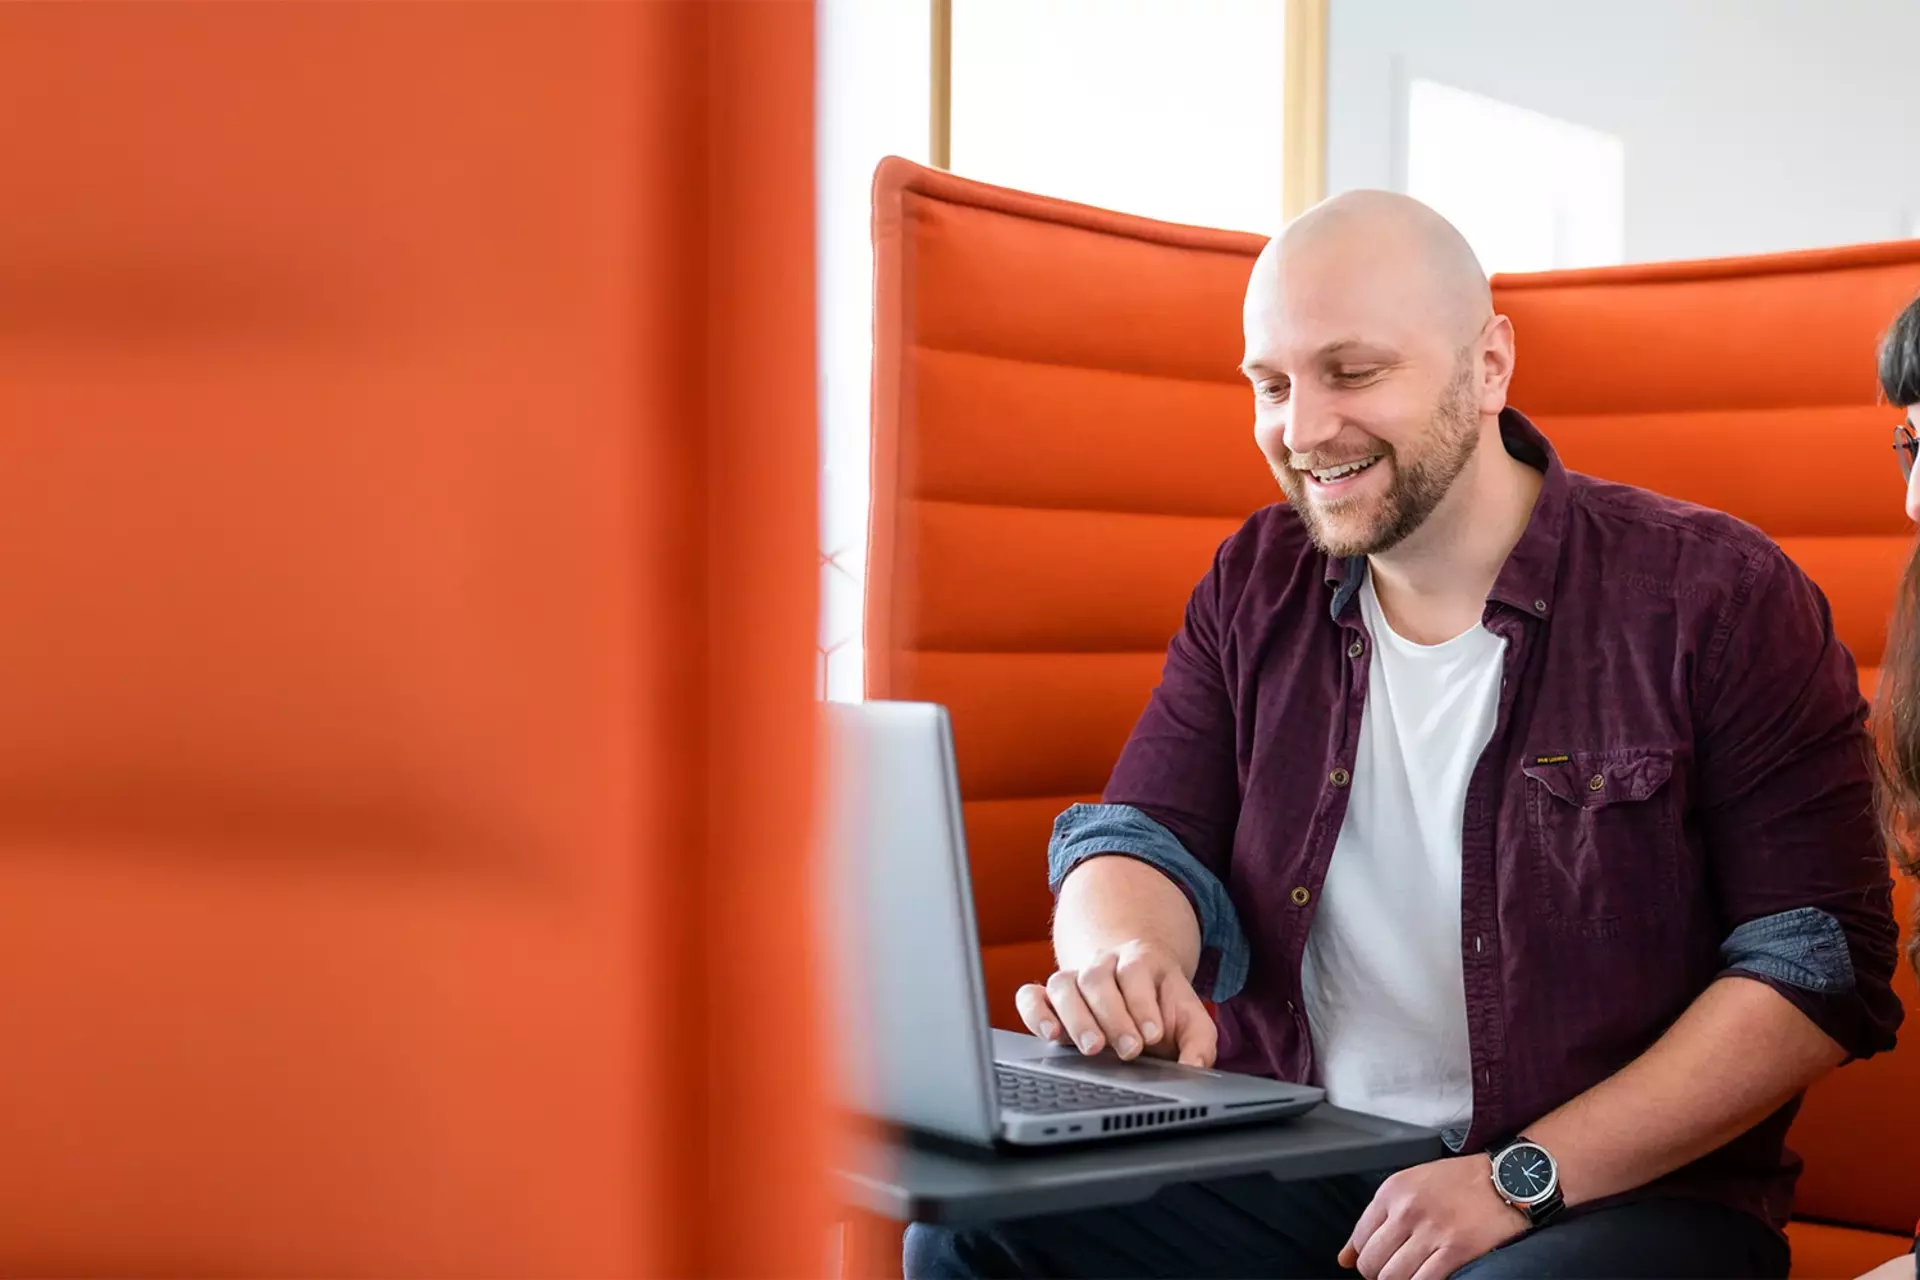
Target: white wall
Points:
(872, 100)
(1749, 125)
(1159, 107)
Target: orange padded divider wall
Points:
(1061, 439)
(406, 607)
(1748, 385)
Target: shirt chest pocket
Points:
(1603, 836)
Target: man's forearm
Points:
(1107, 901)
(1734, 1057)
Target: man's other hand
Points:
(1135, 997)
(1427, 1222)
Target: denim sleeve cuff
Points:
(1092, 830)
(1806, 957)
(1804, 948)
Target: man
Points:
(1489, 796)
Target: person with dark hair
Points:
(1900, 381)
(1897, 704)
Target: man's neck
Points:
(1434, 585)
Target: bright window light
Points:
(871, 102)
(1529, 192)
(1168, 109)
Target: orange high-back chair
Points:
(1061, 439)
(406, 622)
(1060, 442)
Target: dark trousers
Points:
(1255, 1226)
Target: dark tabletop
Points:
(917, 1179)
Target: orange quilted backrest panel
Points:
(1061, 439)
(367, 858)
(1748, 385)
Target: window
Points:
(871, 101)
(1529, 192)
(1170, 110)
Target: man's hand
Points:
(1427, 1222)
(1135, 997)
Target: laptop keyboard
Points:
(1040, 1094)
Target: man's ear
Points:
(1496, 364)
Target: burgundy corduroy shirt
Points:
(1677, 788)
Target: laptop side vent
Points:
(1148, 1119)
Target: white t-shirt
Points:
(1385, 992)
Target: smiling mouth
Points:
(1344, 471)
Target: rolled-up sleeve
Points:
(1097, 830)
(1786, 805)
(1173, 799)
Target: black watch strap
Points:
(1539, 1215)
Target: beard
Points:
(1419, 482)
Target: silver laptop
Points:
(919, 1051)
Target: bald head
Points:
(1390, 243)
(1378, 365)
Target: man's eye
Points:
(1353, 377)
(1274, 392)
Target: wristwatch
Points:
(1528, 1179)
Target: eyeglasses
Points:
(1906, 447)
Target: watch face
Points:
(1525, 1173)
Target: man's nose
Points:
(1311, 422)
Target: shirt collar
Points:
(1527, 579)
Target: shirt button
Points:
(1355, 649)
(1339, 777)
(1596, 782)
(1300, 896)
(1539, 606)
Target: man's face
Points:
(1365, 409)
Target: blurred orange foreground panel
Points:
(407, 470)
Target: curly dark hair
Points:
(1897, 703)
